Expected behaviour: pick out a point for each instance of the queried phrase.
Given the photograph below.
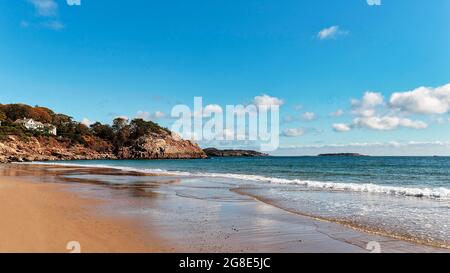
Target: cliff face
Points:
(43, 149)
(153, 146)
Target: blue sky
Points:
(103, 59)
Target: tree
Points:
(60, 119)
(121, 131)
(102, 131)
(42, 114)
(122, 137)
(139, 127)
(119, 123)
(17, 111)
(82, 129)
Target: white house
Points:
(33, 125)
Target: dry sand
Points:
(38, 217)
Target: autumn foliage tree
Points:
(2, 116)
(121, 133)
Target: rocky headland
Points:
(213, 152)
(135, 139)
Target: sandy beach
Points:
(43, 208)
(45, 218)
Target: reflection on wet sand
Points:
(41, 213)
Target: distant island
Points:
(343, 154)
(213, 152)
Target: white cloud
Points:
(341, 127)
(87, 122)
(309, 116)
(367, 115)
(267, 101)
(423, 100)
(374, 2)
(73, 2)
(45, 7)
(366, 107)
(54, 25)
(385, 123)
(337, 113)
(159, 115)
(330, 33)
(122, 117)
(148, 116)
(290, 118)
(293, 132)
(142, 115)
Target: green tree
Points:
(119, 123)
(102, 131)
(17, 111)
(140, 127)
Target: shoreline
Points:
(163, 214)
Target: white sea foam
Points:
(433, 193)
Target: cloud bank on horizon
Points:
(373, 112)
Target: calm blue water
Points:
(401, 196)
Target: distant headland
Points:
(342, 154)
(213, 152)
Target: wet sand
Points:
(38, 217)
(44, 207)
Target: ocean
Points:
(401, 197)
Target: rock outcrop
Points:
(14, 149)
(156, 146)
(213, 152)
(152, 146)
